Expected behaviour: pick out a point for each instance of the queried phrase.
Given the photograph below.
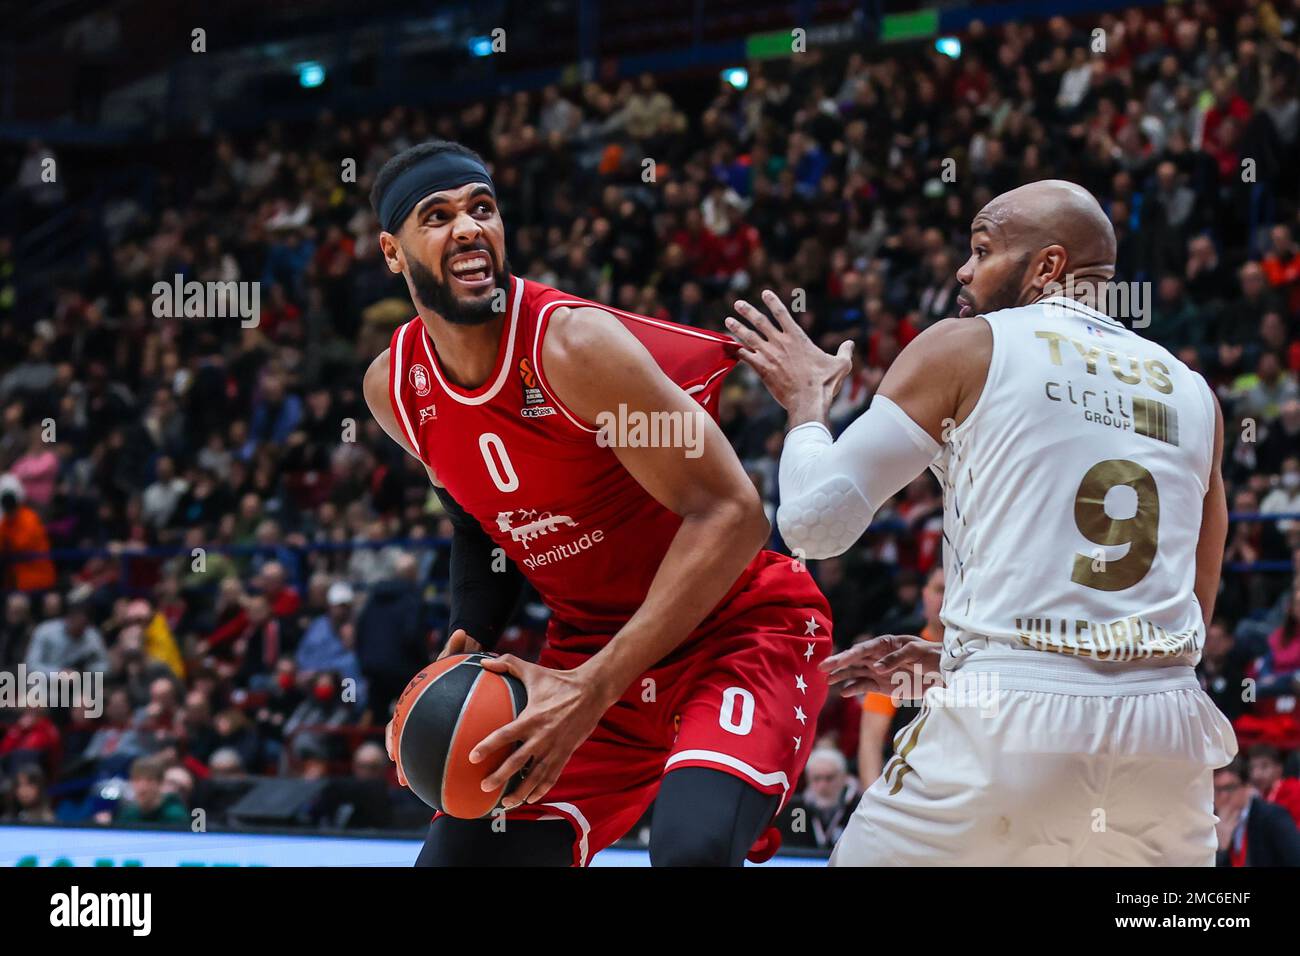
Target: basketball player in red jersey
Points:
(681, 660)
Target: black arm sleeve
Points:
(482, 600)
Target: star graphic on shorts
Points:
(800, 716)
(810, 626)
(798, 742)
(807, 655)
(800, 683)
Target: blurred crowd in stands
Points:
(263, 572)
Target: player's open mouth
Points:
(472, 269)
(964, 307)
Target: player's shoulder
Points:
(399, 347)
(580, 332)
(954, 343)
(536, 296)
(375, 381)
(957, 333)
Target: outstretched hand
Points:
(561, 713)
(902, 666)
(801, 377)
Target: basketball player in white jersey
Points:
(1084, 525)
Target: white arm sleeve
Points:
(831, 489)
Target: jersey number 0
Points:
(498, 463)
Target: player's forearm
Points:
(707, 555)
(485, 586)
(1209, 563)
(1214, 526)
(811, 405)
(831, 489)
(1207, 591)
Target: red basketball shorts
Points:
(742, 698)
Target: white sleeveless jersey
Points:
(1073, 495)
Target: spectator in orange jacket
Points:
(21, 530)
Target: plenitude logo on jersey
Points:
(534, 400)
(528, 525)
(1114, 406)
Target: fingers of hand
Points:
(505, 664)
(780, 314)
(516, 730)
(868, 652)
(854, 672)
(388, 745)
(509, 767)
(857, 688)
(455, 645)
(546, 778)
(745, 335)
(842, 659)
(757, 361)
(522, 793)
(854, 655)
(761, 323)
(907, 654)
(844, 362)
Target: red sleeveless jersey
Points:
(584, 533)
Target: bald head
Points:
(1033, 239)
(1055, 212)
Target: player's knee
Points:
(682, 840)
(454, 842)
(450, 842)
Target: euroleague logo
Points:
(529, 379)
(534, 400)
(415, 681)
(419, 378)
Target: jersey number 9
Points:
(1139, 532)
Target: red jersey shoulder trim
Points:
(398, 361)
(630, 319)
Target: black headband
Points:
(447, 170)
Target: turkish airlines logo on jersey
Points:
(419, 378)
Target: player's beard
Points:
(434, 294)
(1006, 295)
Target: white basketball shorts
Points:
(1016, 764)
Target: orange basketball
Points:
(442, 714)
